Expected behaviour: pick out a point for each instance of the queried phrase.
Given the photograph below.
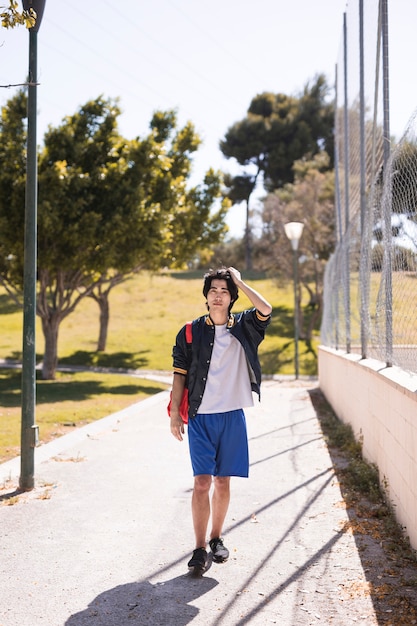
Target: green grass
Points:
(73, 399)
(145, 315)
(146, 312)
(404, 303)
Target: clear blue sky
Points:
(206, 59)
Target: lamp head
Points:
(38, 6)
(294, 230)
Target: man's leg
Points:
(220, 504)
(200, 506)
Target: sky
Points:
(207, 60)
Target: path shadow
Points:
(144, 603)
(4, 497)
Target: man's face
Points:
(218, 296)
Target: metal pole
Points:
(338, 203)
(387, 204)
(296, 320)
(364, 270)
(294, 230)
(29, 431)
(336, 133)
(346, 235)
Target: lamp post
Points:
(294, 230)
(29, 432)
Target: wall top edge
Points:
(399, 377)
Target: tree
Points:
(107, 207)
(240, 189)
(12, 192)
(173, 222)
(309, 199)
(10, 17)
(404, 188)
(277, 130)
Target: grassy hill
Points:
(146, 312)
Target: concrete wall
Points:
(380, 403)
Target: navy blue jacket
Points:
(248, 327)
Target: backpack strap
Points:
(189, 332)
(189, 340)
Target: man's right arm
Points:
(177, 425)
(257, 300)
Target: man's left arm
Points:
(258, 301)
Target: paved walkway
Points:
(104, 538)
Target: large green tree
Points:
(107, 207)
(172, 221)
(309, 199)
(277, 131)
(12, 192)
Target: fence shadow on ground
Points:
(388, 562)
(170, 602)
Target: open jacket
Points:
(248, 327)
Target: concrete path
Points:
(104, 538)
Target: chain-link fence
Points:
(370, 289)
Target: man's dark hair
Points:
(221, 274)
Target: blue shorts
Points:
(219, 444)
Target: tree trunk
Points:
(248, 239)
(101, 294)
(50, 327)
(103, 303)
(315, 317)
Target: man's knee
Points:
(222, 483)
(202, 483)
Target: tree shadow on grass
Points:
(274, 361)
(15, 357)
(282, 359)
(10, 387)
(282, 322)
(55, 391)
(8, 305)
(60, 391)
(84, 358)
(115, 360)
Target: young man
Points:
(221, 372)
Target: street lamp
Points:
(294, 230)
(29, 432)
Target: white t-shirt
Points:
(228, 383)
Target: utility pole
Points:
(29, 431)
(294, 230)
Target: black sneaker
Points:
(198, 562)
(220, 552)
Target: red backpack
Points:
(184, 404)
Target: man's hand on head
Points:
(235, 274)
